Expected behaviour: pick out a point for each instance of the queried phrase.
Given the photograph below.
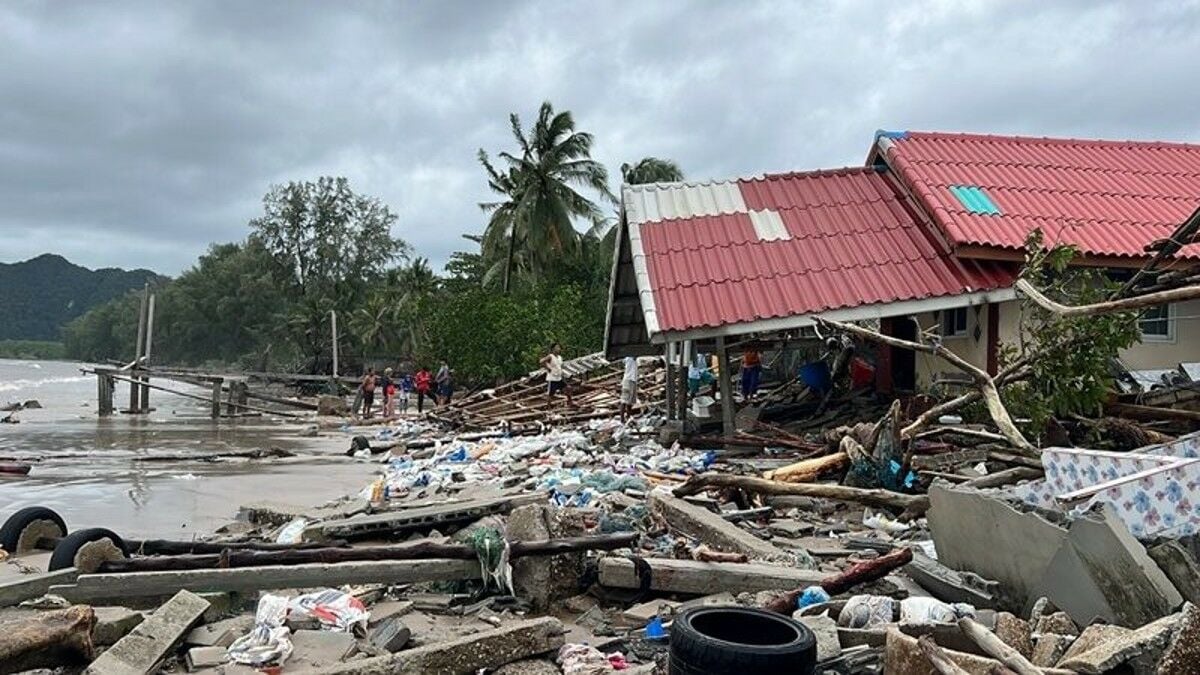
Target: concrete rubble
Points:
(483, 545)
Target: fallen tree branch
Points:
(48, 640)
(836, 584)
(983, 382)
(912, 504)
(1110, 306)
(937, 657)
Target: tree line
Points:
(537, 274)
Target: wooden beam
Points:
(728, 425)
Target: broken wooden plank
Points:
(91, 587)
(706, 526)
(144, 648)
(34, 586)
(701, 578)
(62, 638)
(420, 518)
(474, 653)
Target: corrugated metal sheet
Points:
(787, 245)
(1106, 197)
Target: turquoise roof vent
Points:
(975, 200)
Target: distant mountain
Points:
(40, 295)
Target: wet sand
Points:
(92, 471)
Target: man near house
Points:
(751, 372)
(629, 387)
(385, 385)
(422, 382)
(555, 383)
(367, 387)
(445, 387)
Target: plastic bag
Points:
(813, 595)
(865, 611)
(333, 608)
(581, 659)
(931, 610)
(292, 532)
(269, 641)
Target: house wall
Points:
(1184, 347)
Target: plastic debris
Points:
(581, 659)
(813, 595)
(335, 609)
(924, 610)
(865, 611)
(655, 629)
(293, 532)
(269, 641)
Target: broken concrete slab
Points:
(1057, 622)
(401, 521)
(641, 614)
(204, 657)
(1014, 632)
(143, 649)
(34, 586)
(1049, 649)
(320, 648)
(903, 656)
(711, 529)
(219, 633)
(701, 578)
(949, 585)
(1140, 649)
(530, 667)
(486, 650)
(991, 537)
(391, 635)
(1183, 655)
(825, 629)
(91, 587)
(1101, 570)
(382, 611)
(1180, 566)
(542, 580)
(1094, 636)
(114, 623)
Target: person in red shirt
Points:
(751, 373)
(422, 382)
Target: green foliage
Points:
(651, 170)
(32, 349)
(532, 226)
(41, 295)
(1069, 357)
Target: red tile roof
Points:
(1109, 198)
(788, 245)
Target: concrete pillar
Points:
(682, 400)
(993, 338)
(668, 359)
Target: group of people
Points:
(397, 390)
(556, 380)
(703, 371)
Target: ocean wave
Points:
(19, 384)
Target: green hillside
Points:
(40, 295)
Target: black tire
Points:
(739, 641)
(67, 549)
(15, 526)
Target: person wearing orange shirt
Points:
(751, 373)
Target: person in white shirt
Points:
(555, 382)
(629, 387)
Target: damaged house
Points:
(932, 227)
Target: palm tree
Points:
(535, 218)
(651, 170)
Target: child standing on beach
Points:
(406, 387)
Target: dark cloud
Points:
(134, 134)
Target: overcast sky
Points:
(136, 134)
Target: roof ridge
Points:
(1043, 140)
(813, 173)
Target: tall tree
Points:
(651, 170)
(533, 223)
(328, 243)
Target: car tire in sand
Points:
(86, 549)
(21, 532)
(740, 640)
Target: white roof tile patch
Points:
(768, 225)
(670, 201)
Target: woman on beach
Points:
(389, 394)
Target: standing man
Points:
(553, 363)
(629, 387)
(422, 382)
(445, 388)
(388, 388)
(751, 372)
(368, 393)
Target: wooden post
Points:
(104, 394)
(238, 396)
(883, 359)
(334, 333)
(145, 392)
(726, 384)
(135, 399)
(670, 380)
(993, 339)
(682, 401)
(216, 397)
